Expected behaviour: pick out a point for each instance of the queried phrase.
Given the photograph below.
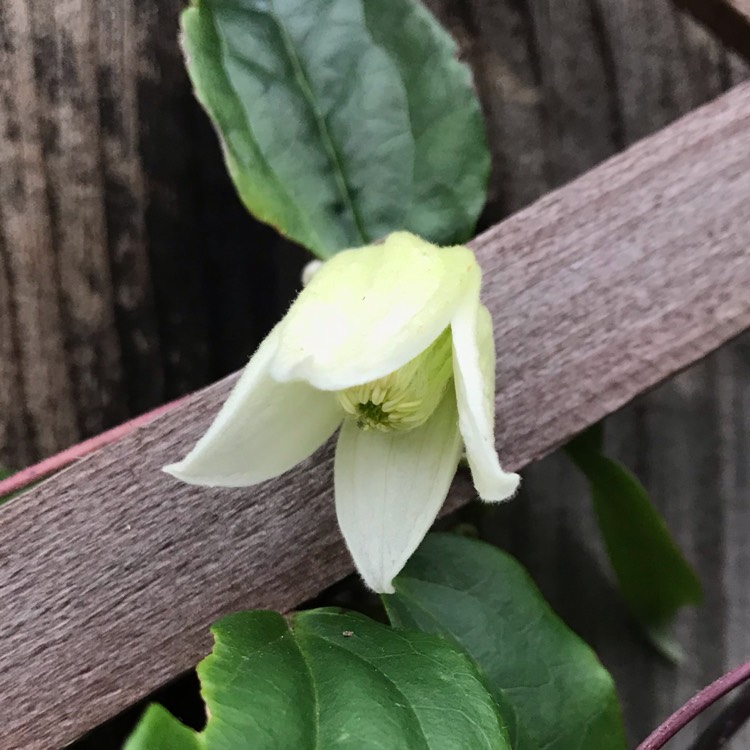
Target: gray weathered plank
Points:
(112, 571)
(598, 74)
(665, 65)
(123, 248)
(36, 329)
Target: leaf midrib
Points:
(320, 121)
(358, 657)
(506, 691)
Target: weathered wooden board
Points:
(728, 19)
(192, 281)
(564, 84)
(125, 259)
(112, 571)
(129, 272)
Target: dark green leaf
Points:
(591, 439)
(341, 120)
(333, 680)
(655, 579)
(482, 599)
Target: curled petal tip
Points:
(504, 488)
(516, 484)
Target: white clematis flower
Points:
(392, 341)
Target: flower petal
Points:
(369, 311)
(474, 373)
(390, 487)
(263, 429)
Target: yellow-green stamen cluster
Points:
(405, 398)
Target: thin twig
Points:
(695, 706)
(22, 479)
(726, 724)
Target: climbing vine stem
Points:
(696, 705)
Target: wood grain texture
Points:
(123, 249)
(669, 437)
(112, 571)
(563, 85)
(29, 268)
(728, 19)
(597, 75)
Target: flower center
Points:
(407, 397)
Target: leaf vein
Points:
(323, 128)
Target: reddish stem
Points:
(729, 721)
(694, 706)
(22, 479)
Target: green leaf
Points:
(159, 730)
(341, 120)
(590, 440)
(655, 578)
(332, 680)
(483, 600)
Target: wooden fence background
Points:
(129, 274)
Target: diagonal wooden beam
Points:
(112, 571)
(728, 19)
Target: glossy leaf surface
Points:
(341, 120)
(332, 680)
(481, 598)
